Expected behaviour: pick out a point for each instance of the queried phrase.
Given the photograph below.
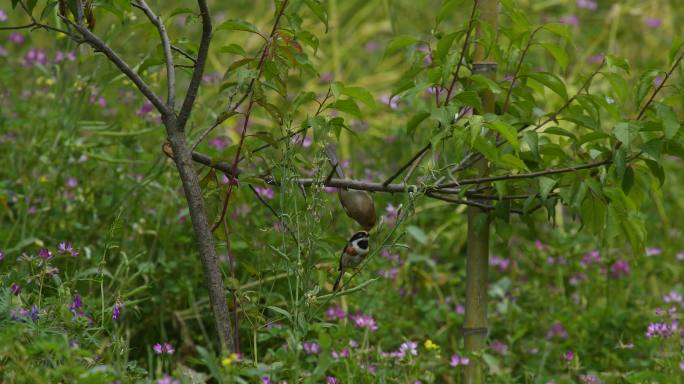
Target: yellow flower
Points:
(49, 81)
(430, 345)
(233, 357)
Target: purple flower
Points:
(59, 57)
(499, 262)
(167, 380)
(311, 347)
(364, 321)
(390, 274)
(662, 330)
(45, 254)
(2, 255)
(35, 56)
(338, 355)
(457, 360)
(539, 245)
(145, 109)
(595, 59)
(326, 78)
(65, 247)
(219, 143)
(71, 182)
(76, 305)
(116, 311)
(15, 289)
(71, 55)
(672, 297)
(593, 257)
(569, 20)
(620, 269)
(460, 309)
(331, 380)
(589, 379)
(3, 15)
(391, 214)
(653, 251)
(653, 22)
(680, 256)
(3, 53)
(98, 100)
(577, 278)
(266, 380)
(568, 356)
(265, 192)
(163, 348)
(656, 83)
(305, 141)
(499, 347)
(35, 314)
(557, 330)
(16, 38)
(371, 46)
(681, 365)
(587, 4)
(407, 347)
(335, 312)
(393, 102)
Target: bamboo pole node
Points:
(474, 331)
(483, 67)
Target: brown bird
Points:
(358, 205)
(352, 255)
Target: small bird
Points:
(353, 254)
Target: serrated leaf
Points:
(400, 42)
(486, 148)
(234, 49)
(414, 121)
(508, 132)
(558, 53)
(532, 140)
(669, 119)
(471, 99)
(558, 29)
(444, 45)
(360, 94)
(487, 83)
(552, 82)
(447, 8)
(237, 25)
(347, 106)
(625, 133)
(319, 10)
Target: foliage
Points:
(99, 279)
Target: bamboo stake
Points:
(477, 263)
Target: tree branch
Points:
(408, 164)
(200, 63)
(668, 74)
(101, 46)
(185, 54)
(168, 58)
(517, 70)
(463, 53)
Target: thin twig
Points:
(185, 54)
(275, 213)
(464, 49)
(260, 69)
(408, 164)
(202, 54)
(668, 74)
(168, 58)
(517, 70)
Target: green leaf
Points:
(471, 99)
(347, 106)
(558, 53)
(234, 49)
(414, 121)
(400, 42)
(620, 162)
(360, 94)
(508, 132)
(552, 82)
(417, 233)
(618, 85)
(487, 83)
(443, 46)
(486, 148)
(447, 8)
(627, 180)
(558, 29)
(181, 11)
(532, 140)
(561, 132)
(669, 119)
(47, 11)
(237, 25)
(546, 185)
(319, 10)
(625, 133)
(614, 61)
(510, 161)
(657, 170)
(593, 215)
(591, 137)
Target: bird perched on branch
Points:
(353, 254)
(358, 205)
(69, 6)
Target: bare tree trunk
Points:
(475, 326)
(205, 241)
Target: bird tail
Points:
(337, 282)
